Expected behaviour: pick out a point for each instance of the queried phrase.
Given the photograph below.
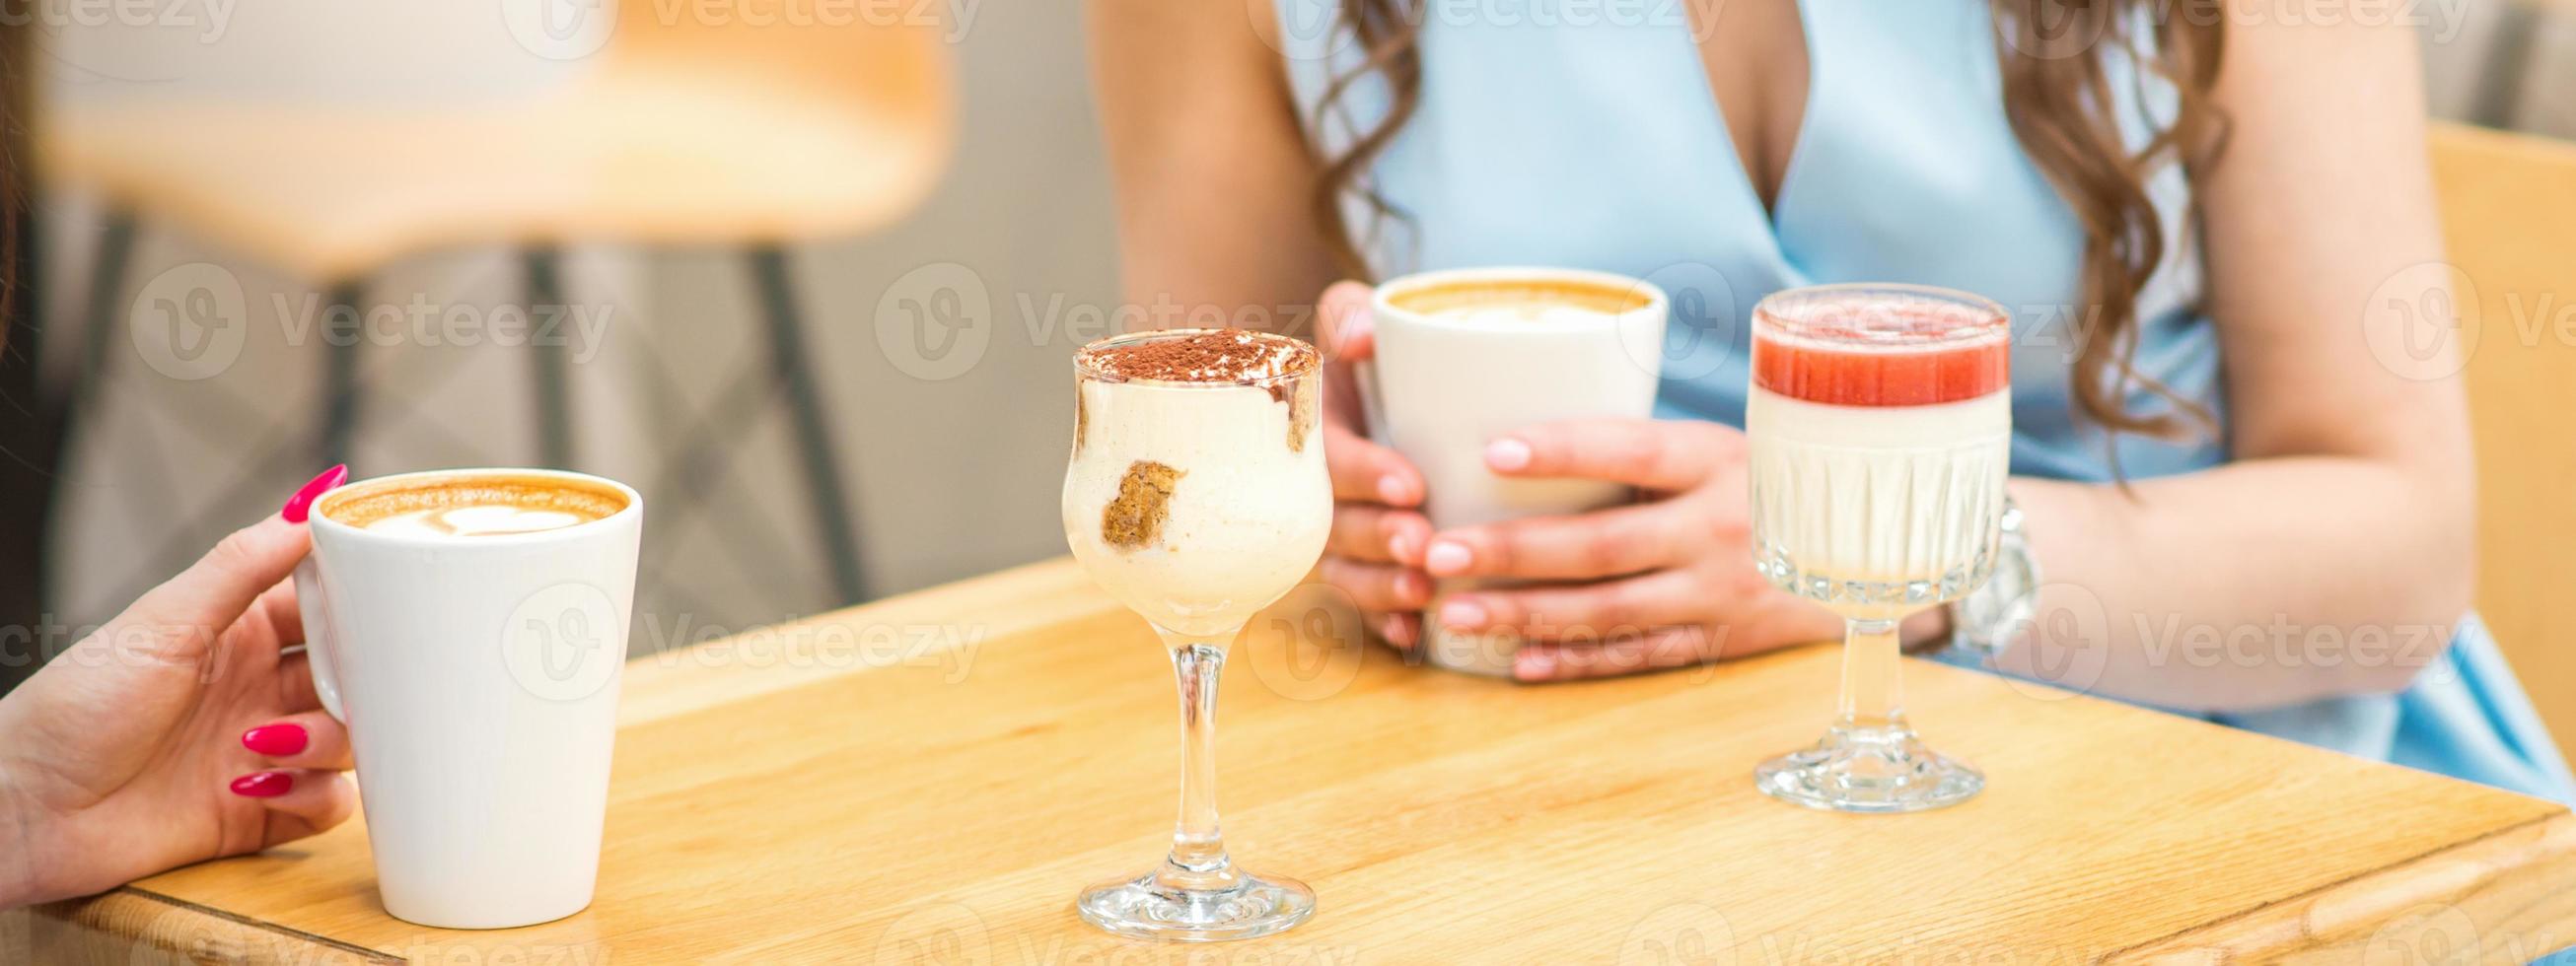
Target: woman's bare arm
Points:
(2335, 555)
(1211, 167)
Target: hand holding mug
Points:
(1379, 532)
(182, 730)
(1664, 582)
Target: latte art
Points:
(469, 506)
(475, 521)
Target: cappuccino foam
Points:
(1508, 302)
(467, 506)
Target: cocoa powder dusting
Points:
(1301, 412)
(1081, 418)
(1135, 518)
(1226, 355)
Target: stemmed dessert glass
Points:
(1196, 495)
(1880, 422)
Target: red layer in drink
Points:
(1882, 357)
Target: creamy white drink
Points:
(1880, 422)
(1197, 493)
(1847, 489)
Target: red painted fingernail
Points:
(301, 504)
(276, 740)
(263, 784)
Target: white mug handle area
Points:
(314, 601)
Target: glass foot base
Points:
(1869, 770)
(1145, 909)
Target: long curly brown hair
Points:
(2057, 93)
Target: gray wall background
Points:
(955, 465)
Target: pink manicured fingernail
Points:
(1507, 454)
(1395, 632)
(1465, 615)
(1533, 663)
(276, 740)
(300, 505)
(1401, 548)
(1412, 588)
(1447, 557)
(1391, 489)
(263, 784)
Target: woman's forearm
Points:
(2257, 584)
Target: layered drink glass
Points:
(1880, 424)
(1197, 495)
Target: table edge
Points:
(114, 925)
(2492, 890)
(2482, 876)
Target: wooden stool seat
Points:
(747, 126)
(331, 192)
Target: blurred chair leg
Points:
(98, 318)
(340, 389)
(550, 359)
(813, 433)
(2502, 76)
(34, 435)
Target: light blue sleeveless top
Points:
(1585, 135)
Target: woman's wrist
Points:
(1924, 630)
(17, 845)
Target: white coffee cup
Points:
(1446, 382)
(478, 677)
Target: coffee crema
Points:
(1530, 300)
(471, 505)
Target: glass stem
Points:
(1872, 697)
(1198, 861)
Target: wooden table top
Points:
(932, 777)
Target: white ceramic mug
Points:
(1441, 387)
(478, 677)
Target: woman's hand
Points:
(180, 731)
(1660, 583)
(1379, 532)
